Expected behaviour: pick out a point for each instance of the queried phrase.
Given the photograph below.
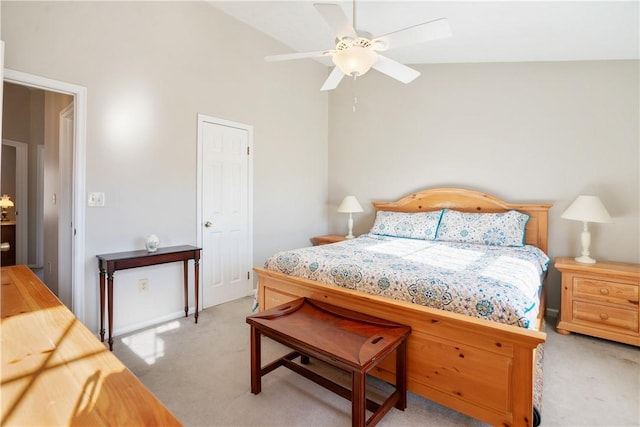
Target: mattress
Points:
(497, 283)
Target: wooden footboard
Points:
(477, 367)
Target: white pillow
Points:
(412, 225)
(493, 229)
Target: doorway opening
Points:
(71, 128)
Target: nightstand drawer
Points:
(598, 315)
(605, 291)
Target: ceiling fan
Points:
(356, 52)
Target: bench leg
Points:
(358, 400)
(401, 375)
(256, 375)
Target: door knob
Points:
(208, 224)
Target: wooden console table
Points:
(55, 372)
(109, 263)
(345, 339)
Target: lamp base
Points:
(585, 259)
(349, 236)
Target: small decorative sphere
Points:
(152, 243)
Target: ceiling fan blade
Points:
(432, 30)
(335, 17)
(296, 55)
(333, 80)
(395, 69)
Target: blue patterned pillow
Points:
(494, 229)
(412, 225)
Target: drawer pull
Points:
(604, 316)
(604, 291)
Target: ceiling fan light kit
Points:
(355, 59)
(355, 55)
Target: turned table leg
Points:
(185, 275)
(102, 291)
(196, 281)
(110, 308)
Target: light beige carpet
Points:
(201, 373)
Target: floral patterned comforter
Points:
(501, 284)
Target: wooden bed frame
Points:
(478, 367)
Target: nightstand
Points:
(600, 300)
(325, 240)
(8, 236)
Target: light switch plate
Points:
(95, 199)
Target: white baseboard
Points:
(162, 319)
(552, 312)
(151, 322)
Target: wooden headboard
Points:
(463, 200)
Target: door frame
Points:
(65, 198)
(40, 206)
(79, 175)
(202, 118)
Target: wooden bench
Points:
(345, 339)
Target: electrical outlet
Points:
(143, 285)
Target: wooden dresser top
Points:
(54, 371)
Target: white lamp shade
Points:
(587, 208)
(5, 202)
(349, 204)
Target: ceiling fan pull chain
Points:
(355, 97)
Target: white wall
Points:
(149, 69)
(525, 132)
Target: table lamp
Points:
(350, 205)
(586, 209)
(5, 203)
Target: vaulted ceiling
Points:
(483, 31)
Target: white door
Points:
(225, 199)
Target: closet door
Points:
(226, 220)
